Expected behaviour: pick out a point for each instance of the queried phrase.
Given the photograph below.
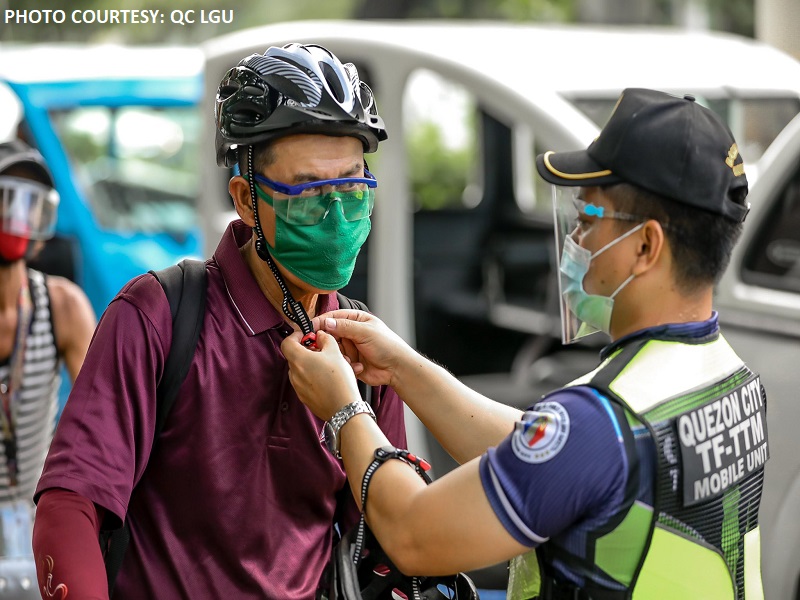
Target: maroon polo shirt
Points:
(238, 497)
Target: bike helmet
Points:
(28, 203)
(16, 152)
(373, 576)
(294, 89)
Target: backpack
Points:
(185, 286)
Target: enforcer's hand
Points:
(322, 378)
(375, 352)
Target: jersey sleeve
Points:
(104, 436)
(564, 462)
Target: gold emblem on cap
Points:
(732, 154)
(572, 176)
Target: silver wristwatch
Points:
(330, 433)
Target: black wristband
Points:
(384, 453)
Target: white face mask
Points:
(592, 310)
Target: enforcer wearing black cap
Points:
(667, 145)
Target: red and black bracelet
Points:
(384, 453)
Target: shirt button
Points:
(284, 406)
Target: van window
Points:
(135, 164)
(773, 257)
(440, 127)
(533, 194)
(755, 122)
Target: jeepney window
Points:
(136, 165)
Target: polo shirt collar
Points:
(255, 310)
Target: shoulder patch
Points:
(542, 433)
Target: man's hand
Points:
(374, 351)
(322, 378)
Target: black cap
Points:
(668, 145)
(17, 152)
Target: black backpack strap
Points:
(345, 302)
(350, 303)
(185, 287)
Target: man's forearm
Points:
(66, 548)
(464, 422)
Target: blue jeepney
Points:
(119, 128)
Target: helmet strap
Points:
(293, 309)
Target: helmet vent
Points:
(367, 98)
(245, 117)
(334, 82)
(253, 90)
(227, 90)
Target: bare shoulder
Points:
(69, 304)
(66, 296)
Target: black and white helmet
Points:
(372, 576)
(295, 89)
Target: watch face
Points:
(329, 435)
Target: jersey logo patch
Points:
(542, 433)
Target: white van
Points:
(759, 303)
(460, 259)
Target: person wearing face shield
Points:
(641, 479)
(45, 322)
(239, 498)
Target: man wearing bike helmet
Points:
(236, 498)
(641, 479)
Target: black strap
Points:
(458, 586)
(185, 287)
(381, 455)
(350, 303)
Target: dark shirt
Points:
(238, 497)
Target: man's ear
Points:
(239, 189)
(650, 248)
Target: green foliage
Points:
(735, 16)
(439, 173)
(537, 10)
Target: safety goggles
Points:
(581, 207)
(309, 203)
(27, 208)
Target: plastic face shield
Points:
(572, 263)
(27, 208)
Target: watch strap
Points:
(342, 416)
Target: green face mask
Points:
(323, 255)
